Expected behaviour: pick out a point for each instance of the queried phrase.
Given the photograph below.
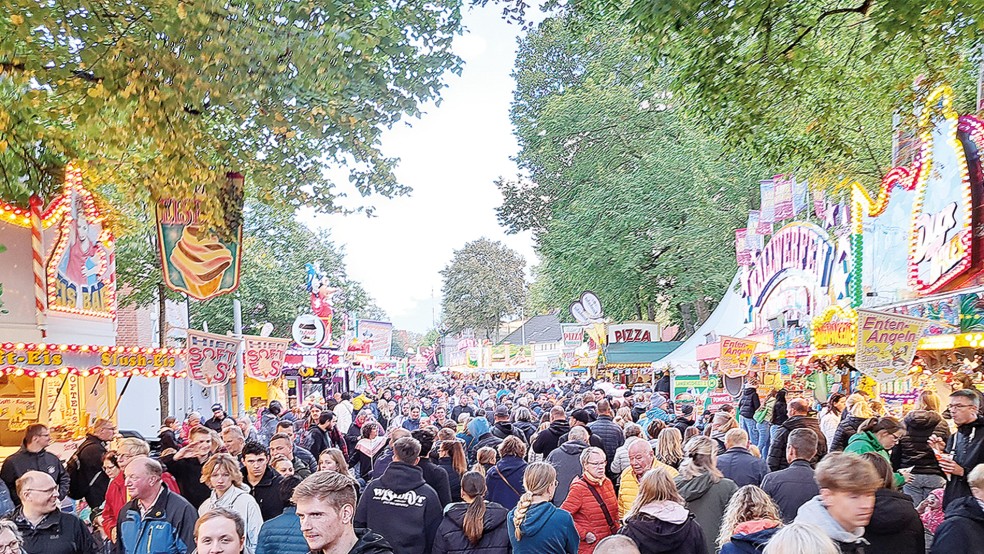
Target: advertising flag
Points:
(742, 254)
(264, 357)
(211, 359)
(767, 213)
(886, 344)
(800, 192)
(736, 356)
(784, 198)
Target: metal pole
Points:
(120, 398)
(240, 389)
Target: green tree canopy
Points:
(624, 195)
(483, 283)
(809, 86)
(161, 97)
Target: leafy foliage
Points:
(624, 196)
(482, 284)
(810, 86)
(159, 97)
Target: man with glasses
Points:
(263, 482)
(965, 449)
(87, 480)
(43, 526)
(156, 519)
(32, 456)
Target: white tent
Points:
(727, 319)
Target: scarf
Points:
(592, 481)
(371, 447)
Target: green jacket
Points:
(864, 442)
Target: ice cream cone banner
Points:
(264, 357)
(886, 344)
(210, 358)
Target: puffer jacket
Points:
(587, 512)
(504, 481)
(451, 538)
(847, 428)
(748, 403)
(707, 500)
(751, 537)
(282, 535)
(963, 528)
(777, 451)
(628, 488)
(914, 450)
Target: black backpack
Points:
(77, 487)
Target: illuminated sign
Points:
(49, 360)
(798, 247)
(835, 327)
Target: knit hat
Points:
(581, 415)
(657, 401)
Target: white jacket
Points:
(243, 503)
(343, 415)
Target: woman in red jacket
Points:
(592, 501)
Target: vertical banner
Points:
(756, 242)
(784, 198)
(742, 254)
(211, 359)
(194, 259)
(886, 344)
(736, 356)
(767, 213)
(264, 357)
(800, 192)
(820, 204)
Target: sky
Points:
(451, 157)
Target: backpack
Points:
(77, 487)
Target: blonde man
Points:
(846, 501)
(326, 508)
(222, 474)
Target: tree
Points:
(483, 283)
(275, 250)
(810, 86)
(623, 195)
(158, 97)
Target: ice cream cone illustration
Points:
(202, 262)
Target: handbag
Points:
(759, 415)
(604, 508)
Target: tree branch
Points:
(862, 9)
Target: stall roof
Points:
(638, 352)
(539, 328)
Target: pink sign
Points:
(211, 358)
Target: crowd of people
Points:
(496, 467)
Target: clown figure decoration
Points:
(321, 296)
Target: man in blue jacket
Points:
(282, 534)
(156, 519)
(737, 463)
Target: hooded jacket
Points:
(849, 542)
(845, 430)
(707, 500)
(168, 526)
(451, 538)
(751, 537)
(454, 479)
(282, 535)
(914, 450)
(748, 403)
(370, 543)
(547, 440)
(402, 508)
(895, 526)
(56, 533)
(865, 442)
(527, 428)
(437, 477)
(587, 512)
(505, 480)
(967, 447)
(503, 429)
(546, 529)
(266, 493)
(777, 452)
(567, 461)
(240, 501)
(24, 460)
(665, 528)
(963, 528)
(90, 481)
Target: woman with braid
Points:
(535, 525)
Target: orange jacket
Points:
(587, 512)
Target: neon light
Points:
(835, 328)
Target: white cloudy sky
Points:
(450, 157)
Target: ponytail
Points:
(473, 525)
(520, 514)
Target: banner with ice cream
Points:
(736, 356)
(194, 259)
(211, 359)
(886, 344)
(264, 357)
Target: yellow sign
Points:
(835, 327)
(886, 344)
(736, 356)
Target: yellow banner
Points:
(886, 344)
(736, 356)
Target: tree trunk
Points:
(703, 311)
(162, 342)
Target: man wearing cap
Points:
(502, 428)
(581, 418)
(218, 416)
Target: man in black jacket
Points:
(609, 432)
(400, 505)
(685, 419)
(33, 456)
(435, 475)
(548, 439)
(218, 416)
(792, 487)
(263, 482)
(747, 405)
(501, 428)
(88, 480)
(326, 508)
(963, 528)
(798, 419)
(966, 446)
(44, 527)
(186, 465)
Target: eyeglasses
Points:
(10, 547)
(955, 406)
(109, 468)
(898, 437)
(48, 492)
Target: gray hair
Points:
(632, 430)
(579, 433)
